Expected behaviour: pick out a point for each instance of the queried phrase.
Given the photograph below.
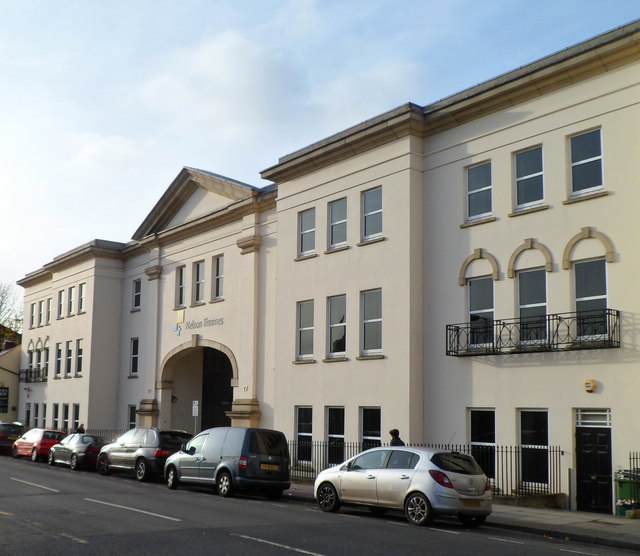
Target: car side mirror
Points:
(191, 450)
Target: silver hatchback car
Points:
(422, 482)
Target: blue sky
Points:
(102, 103)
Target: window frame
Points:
(218, 277)
(68, 358)
(79, 356)
(304, 433)
(483, 450)
(335, 438)
(528, 177)
(479, 190)
(305, 233)
(368, 439)
(136, 294)
(602, 325)
(489, 336)
(61, 304)
(332, 326)
(134, 356)
(58, 366)
(198, 270)
(529, 450)
(577, 163)
(71, 301)
(367, 215)
(180, 286)
(304, 330)
(333, 224)
(81, 297)
(367, 323)
(535, 323)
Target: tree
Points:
(10, 312)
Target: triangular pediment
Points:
(193, 194)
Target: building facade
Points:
(460, 271)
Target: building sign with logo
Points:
(4, 399)
(182, 323)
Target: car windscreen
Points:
(11, 429)
(53, 435)
(456, 463)
(90, 439)
(268, 443)
(172, 440)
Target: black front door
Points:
(217, 392)
(593, 463)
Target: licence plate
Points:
(268, 466)
(13, 438)
(470, 503)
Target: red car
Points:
(36, 443)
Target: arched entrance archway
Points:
(204, 372)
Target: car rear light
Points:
(487, 487)
(244, 462)
(440, 478)
(160, 453)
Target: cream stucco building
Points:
(462, 271)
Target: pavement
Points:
(600, 529)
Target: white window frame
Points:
(334, 223)
(483, 189)
(75, 419)
(56, 416)
(61, 304)
(81, 297)
(131, 416)
(331, 326)
(525, 177)
(134, 357)
(523, 447)
(481, 310)
(368, 439)
(522, 306)
(70, 301)
(180, 286)
(308, 232)
(218, 277)
(48, 311)
(65, 417)
(303, 436)
(304, 329)
(136, 294)
(604, 296)
(79, 355)
(587, 190)
(68, 357)
(198, 283)
(58, 369)
(366, 215)
(32, 316)
(369, 322)
(40, 312)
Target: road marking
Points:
(578, 552)
(505, 540)
(286, 547)
(444, 531)
(33, 484)
(133, 509)
(71, 537)
(5, 513)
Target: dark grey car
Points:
(233, 458)
(143, 450)
(9, 433)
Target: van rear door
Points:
(268, 455)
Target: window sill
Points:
(303, 361)
(370, 241)
(57, 377)
(370, 356)
(585, 197)
(217, 300)
(197, 304)
(528, 210)
(179, 307)
(67, 376)
(71, 315)
(81, 312)
(77, 375)
(335, 359)
(305, 257)
(132, 376)
(336, 249)
(135, 310)
(478, 221)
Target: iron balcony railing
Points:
(596, 329)
(513, 470)
(35, 374)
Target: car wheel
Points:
(172, 478)
(417, 509)
(274, 494)
(225, 485)
(34, 455)
(51, 460)
(73, 462)
(102, 465)
(472, 520)
(142, 470)
(328, 498)
(14, 453)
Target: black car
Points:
(76, 450)
(9, 433)
(143, 450)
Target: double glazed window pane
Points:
(591, 297)
(479, 189)
(307, 227)
(305, 328)
(337, 324)
(529, 176)
(586, 160)
(481, 310)
(372, 213)
(372, 321)
(338, 222)
(532, 291)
